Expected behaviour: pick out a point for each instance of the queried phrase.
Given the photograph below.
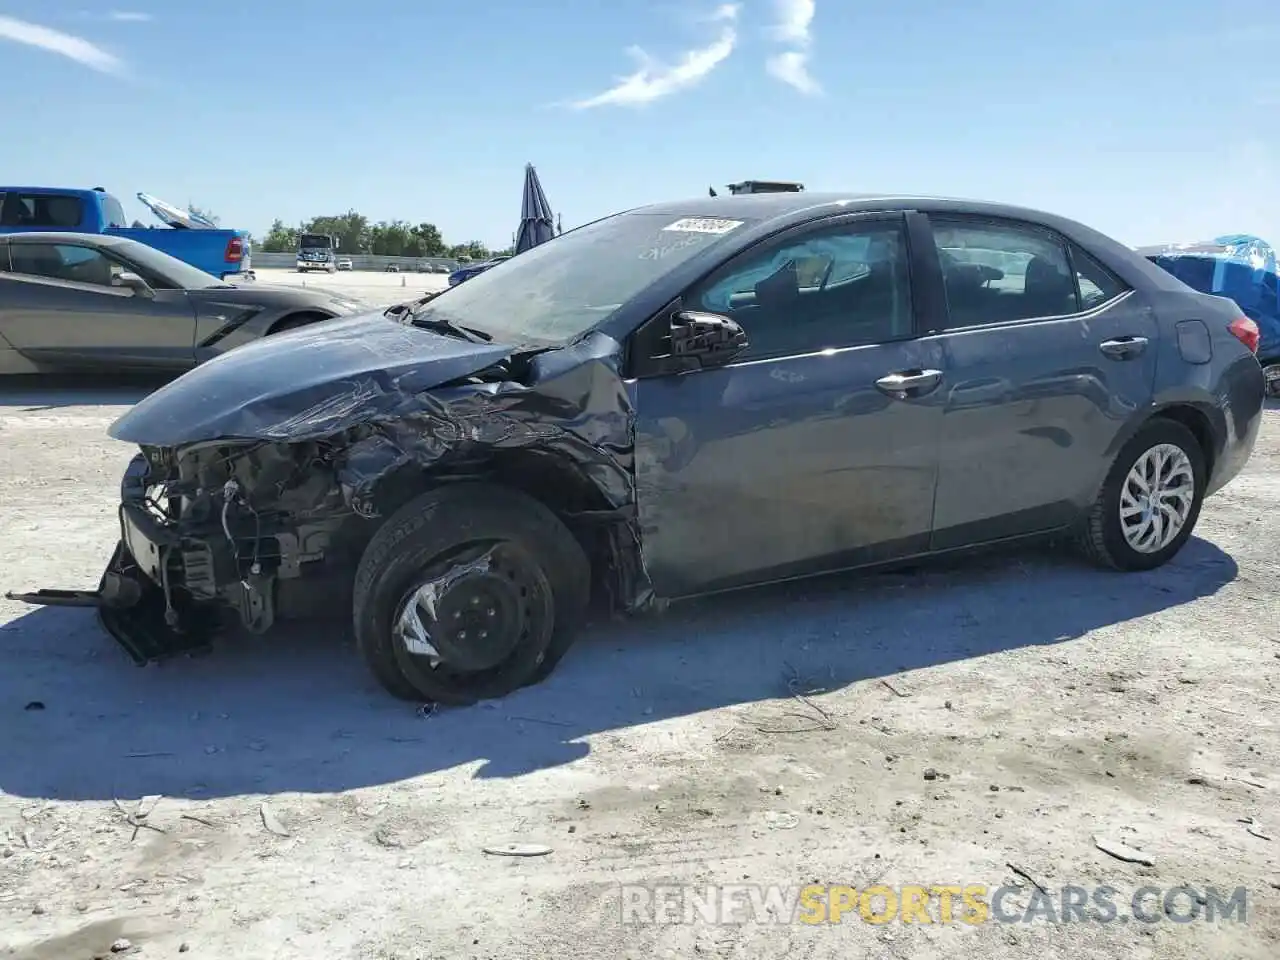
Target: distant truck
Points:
(224, 253)
(317, 251)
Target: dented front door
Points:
(779, 468)
(816, 449)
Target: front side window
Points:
(999, 272)
(835, 287)
(60, 261)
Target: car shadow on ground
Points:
(39, 393)
(297, 711)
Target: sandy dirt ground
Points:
(983, 723)
(379, 289)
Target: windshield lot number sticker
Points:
(703, 225)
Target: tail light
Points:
(235, 253)
(1246, 331)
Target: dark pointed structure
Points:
(537, 222)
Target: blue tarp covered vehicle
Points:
(1238, 266)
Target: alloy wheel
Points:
(1157, 497)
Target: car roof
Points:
(771, 212)
(64, 236)
(60, 191)
(804, 206)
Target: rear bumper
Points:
(1244, 388)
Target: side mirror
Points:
(132, 282)
(701, 340)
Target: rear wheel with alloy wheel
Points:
(1151, 499)
(466, 593)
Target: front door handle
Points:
(909, 383)
(1123, 348)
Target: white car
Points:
(345, 264)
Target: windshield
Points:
(560, 289)
(314, 240)
(182, 275)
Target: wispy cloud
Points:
(793, 26)
(794, 21)
(64, 44)
(792, 68)
(129, 16)
(654, 80)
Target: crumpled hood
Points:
(304, 384)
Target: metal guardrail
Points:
(359, 261)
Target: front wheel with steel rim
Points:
(1151, 499)
(473, 620)
(466, 593)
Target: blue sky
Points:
(1142, 118)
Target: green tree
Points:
(390, 239)
(429, 240)
(471, 250)
(350, 229)
(280, 239)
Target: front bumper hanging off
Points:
(134, 601)
(133, 610)
(173, 583)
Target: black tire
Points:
(1271, 373)
(1102, 538)
(443, 523)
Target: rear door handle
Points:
(909, 383)
(1123, 348)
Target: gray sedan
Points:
(678, 400)
(71, 301)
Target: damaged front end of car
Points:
(263, 474)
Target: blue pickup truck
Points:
(190, 238)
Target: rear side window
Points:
(59, 211)
(996, 272)
(1097, 284)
